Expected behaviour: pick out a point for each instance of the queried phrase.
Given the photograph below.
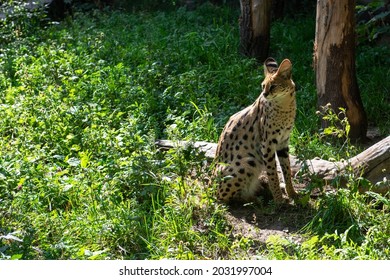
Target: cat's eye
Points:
(272, 87)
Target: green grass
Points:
(82, 103)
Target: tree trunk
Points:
(334, 61)
(255, 23)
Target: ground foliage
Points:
(83, 101)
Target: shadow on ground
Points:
(260, 223)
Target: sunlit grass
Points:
(82, 104)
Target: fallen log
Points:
(373, 164)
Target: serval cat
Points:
(251, 139)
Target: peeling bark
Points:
(334, 61)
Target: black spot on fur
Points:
(283, 153)
(251, 155)
(252, 163)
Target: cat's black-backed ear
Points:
(285, 69)
(270, 66)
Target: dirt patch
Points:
(261, 223)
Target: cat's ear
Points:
(270, 66)
(285, 69)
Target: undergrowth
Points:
(82, 103)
